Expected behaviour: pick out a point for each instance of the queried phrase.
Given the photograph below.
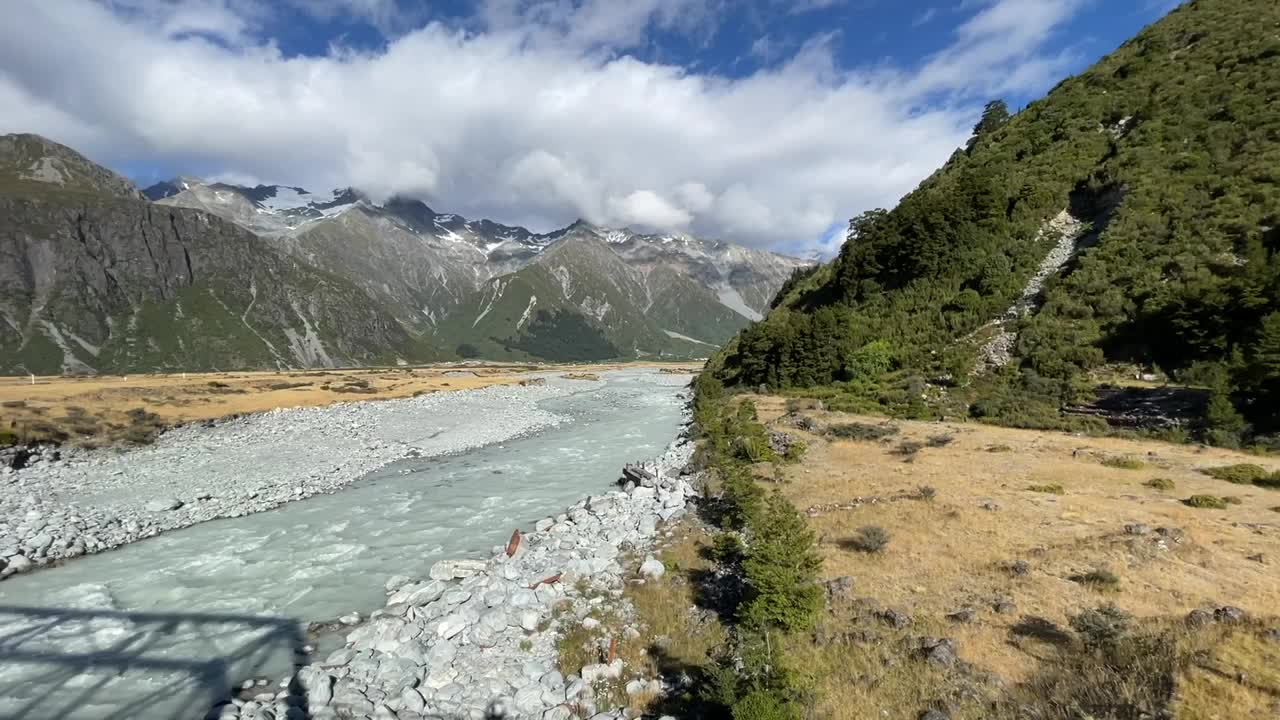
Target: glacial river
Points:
(160, 628)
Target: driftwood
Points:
(513, 545)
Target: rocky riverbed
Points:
(477, 638)
(64, 503)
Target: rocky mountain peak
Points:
(36, 162)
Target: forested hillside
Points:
(1165, 156)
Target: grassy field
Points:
(108, 408)
(998, 539)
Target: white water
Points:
(172, 622)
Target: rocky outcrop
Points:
(96, 283)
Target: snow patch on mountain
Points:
(286, 198)
(524, 317)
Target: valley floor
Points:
(108, 408)
(996, 539)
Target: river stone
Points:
(162, 504)
(543, 525)
(340, 657)
(456, 569)
(559, 712)
(19, 564)
(456, 597)
(412, 701)
(574, 689)
(441, 654)
(318, 685)
(439, 676)
(648, 525)
(523, 598)
(396, 582)
(494, 598)
(652, 568)
(528, 699)
(450, 626)
(528, 619)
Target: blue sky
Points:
(758, 121)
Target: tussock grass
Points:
(1124, 463)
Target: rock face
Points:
(110, 283)
(479, 639)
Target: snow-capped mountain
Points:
(458, 281)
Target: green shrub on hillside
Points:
(1168, 150)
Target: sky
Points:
(767, 123)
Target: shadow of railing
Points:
(70, 663)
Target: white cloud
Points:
(531, 119)
(649, 210)
(993, 44)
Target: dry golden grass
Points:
(954, 551)
(96, 409)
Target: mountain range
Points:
(188, 274)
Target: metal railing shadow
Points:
(70, 663)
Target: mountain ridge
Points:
(234, 277)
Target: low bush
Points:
(1102, 627)
(999, 449)
(1240, 473)
(795, 451)
(926, 493)
(1160, 483)
(1209, 502)
(937, 441)
(862, 431)
(869, 539)
(1052, 489)
(1270, 482)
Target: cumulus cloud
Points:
(531, 117)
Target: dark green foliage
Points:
(861, 431)
(563, 336)
(761, 705)
(1208, 502)
(467, 351)
(1160, 483)
(1124, 463)
(994, 117)
(1169, 149)
(781, 567)
(753, 680)
(1051, 489)
(1240, 473)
